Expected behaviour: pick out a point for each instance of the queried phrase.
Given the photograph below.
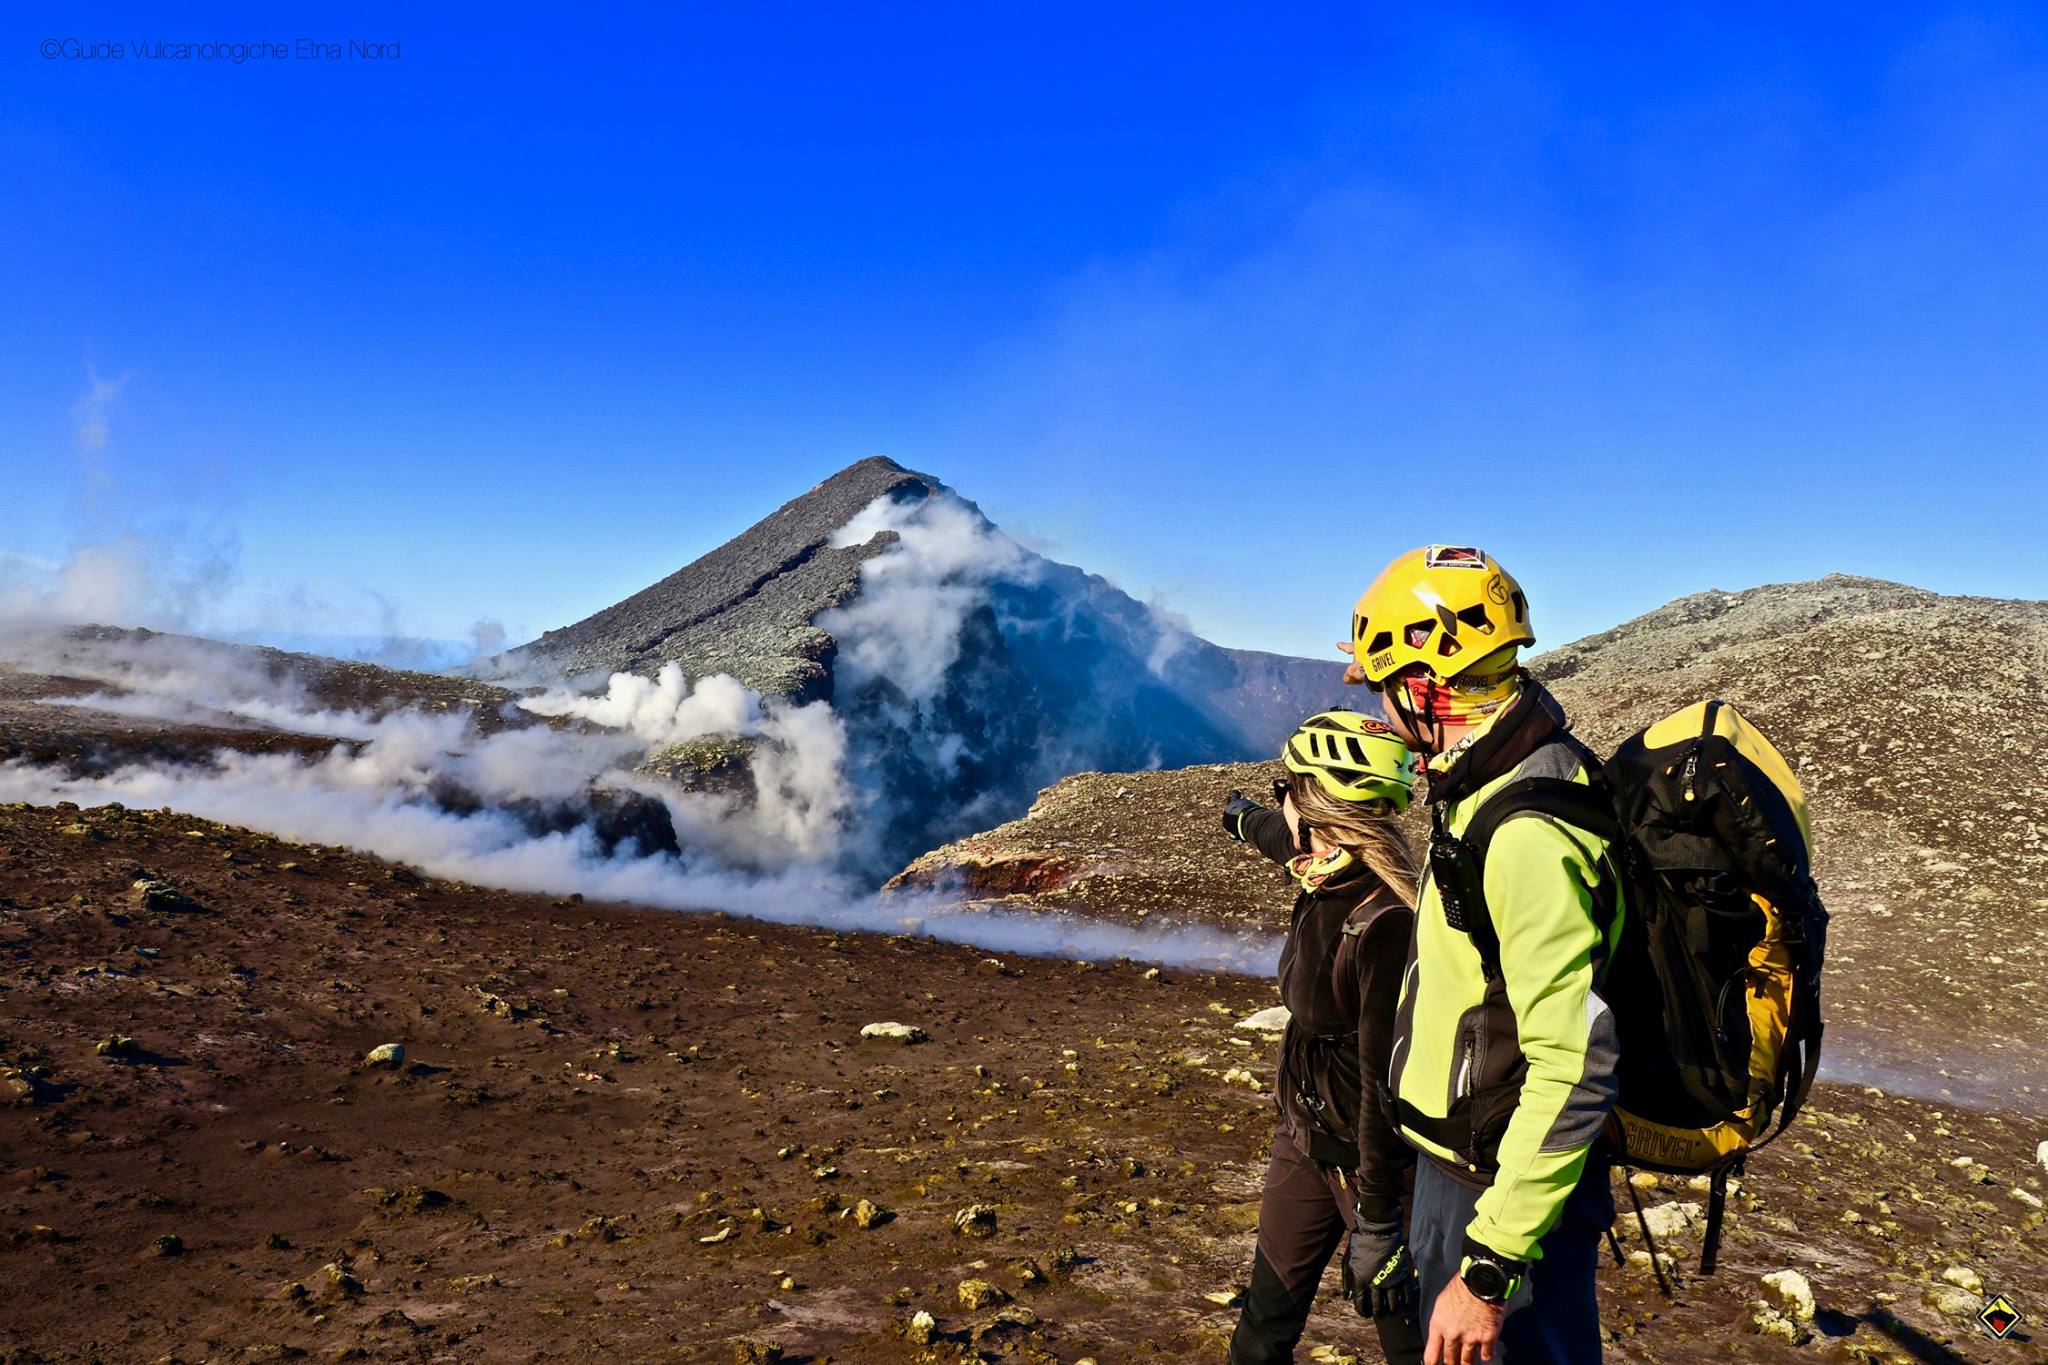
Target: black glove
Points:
(1379, 1274)
(1234, 811)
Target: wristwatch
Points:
(1490, 1276)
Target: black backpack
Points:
(1715, 980)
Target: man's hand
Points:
(1379, 1274)
(1462, 1327)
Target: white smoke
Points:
(177, 678)
(434, 790)
(122, 566)
(915, 596)
(663, 709)
(372, 800)
(1176, 634)
(801, 800)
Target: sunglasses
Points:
(1282, 789)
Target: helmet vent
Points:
(1475, 616)
(1380, 642)
(1521, 607)
(1418, 633)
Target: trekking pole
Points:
(1656, 1261)
(1717, 1196)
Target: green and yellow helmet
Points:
(1353, 757)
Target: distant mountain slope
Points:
(967, 670)
(750, 608)
(745, 608)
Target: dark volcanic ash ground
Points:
(649, 1135)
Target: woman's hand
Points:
(1354, 672)
(1234, 811)
(1463, 1327)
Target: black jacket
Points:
(1340, 978)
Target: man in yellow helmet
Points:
(1503, 1063)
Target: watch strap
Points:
(1512, 1270)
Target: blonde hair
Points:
(1364, 829)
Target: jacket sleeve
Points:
(1266, 830)
(1539, 886)
(1383, 1158)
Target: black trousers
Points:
(1304, 1213)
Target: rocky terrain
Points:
(1121, 846)
(269, 1100)
(1926, 776)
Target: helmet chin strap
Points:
(1424, 724)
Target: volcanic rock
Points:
(1793, 1295)
(893, 1032)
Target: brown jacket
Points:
(1340, 978)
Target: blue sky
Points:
(1228, 308)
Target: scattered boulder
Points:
(1767, 1321)
(18, 1085)
(1237, 1075)
(890, 1031)
(385, 1054)
(976, 1295)
(1962, 1277)
(976, 1220)
(153, 893)
(1792, 1293)
(1956, 1303)
(921, 1328)
(117, 1045)
(1272, 1021)
(751, 1351)
(344, 1281)
(1015, 1318)
(170, 1244)
(1674, 1220)
(411, 1199)
(867, 1214)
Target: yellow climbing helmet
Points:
(1446, 607)
(1353, 757)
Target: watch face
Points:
(1486, 1280)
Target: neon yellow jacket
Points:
(1532, 1065)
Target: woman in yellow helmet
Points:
(1337, 1166)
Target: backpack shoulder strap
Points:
(1582, 805)
(1458, 862)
